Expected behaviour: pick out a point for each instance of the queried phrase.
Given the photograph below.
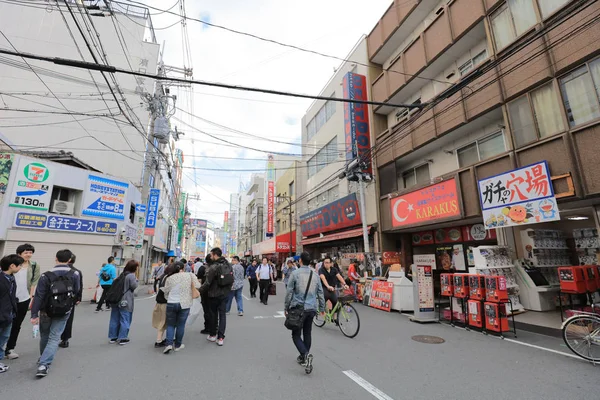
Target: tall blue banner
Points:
(152, 211)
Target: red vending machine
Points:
(495, 317)
(447, 285)
(477, 287)
(475, 313)
(590, 273)
(572, 280)
(597, 271)
(461, 285)
(495, 288)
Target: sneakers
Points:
(64, 344)
(97, 310)
(3, 368)
(160, 344)
(167, 349)
(42, 371)
(300, 359)
(220, 342)
(123, 342)
(112, 341)
(241, 314)
(204, 331)
(11, 355)
(180, 347)
(307, 364)
(211, 338)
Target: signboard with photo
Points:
(381, 295)
(451, 256)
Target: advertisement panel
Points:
(140, 211)
(270, 208)
(381, 295)
(390, 257)
(427, 205)
(105, 198)
(519, 197)
(152, 211)
(63, 223)
(33, 185)
(198, 222)
(226, 221)
(356, 119)
(6, 162)
(340, 214)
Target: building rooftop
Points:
(61, 157)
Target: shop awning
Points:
(278, 244)
(335, 236)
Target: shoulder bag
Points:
(295, 316)
(195, 292)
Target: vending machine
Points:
(461, 285)
(495, 289)
(475, 313)
(495, 317)
(477, 287)
(572, 280)
(590, 273)
(447, 285)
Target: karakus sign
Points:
(356, 119)
(519, 197)
(427, 205)
(340, 214)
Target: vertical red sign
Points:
(356, 119)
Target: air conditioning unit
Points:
(62, 207)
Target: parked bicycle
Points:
(581, 334)
(343, 315)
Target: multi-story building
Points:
(253, 229)
(328, 211)
(502, 85)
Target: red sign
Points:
(430, 204)
(422, 238)
(282, 242)
(356, 119)
(381, 295)
(477, 232)
(270, 207)
(340, 214)
(390, 257)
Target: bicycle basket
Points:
(346, 298)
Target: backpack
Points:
(104, 275)
(225, 275)
(61, 294)
(116, 291)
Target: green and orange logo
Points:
(36, 172)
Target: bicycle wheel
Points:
(581, 334)
(319, 320)
(348, 320)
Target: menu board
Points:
(425, 284)
(381, 295)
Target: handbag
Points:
(295, 315)
(195, 292)
(272, 289)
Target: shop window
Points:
(387, 179)
(548, 7)
(481, 150)
(414, 176)
(512, 20)
(580, 93)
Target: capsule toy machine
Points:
(597, 271)
(477, 287)
(461, 286)
(475, 313)
(572, 280)
(590, 272)
(495, 289)
(495, 317)
(447, 285)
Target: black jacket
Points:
(80, 294)
(210, 284)
(8, 299)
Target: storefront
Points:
(276, 249)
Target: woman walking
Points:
(159, 314)
(121, 313)
(180, 289)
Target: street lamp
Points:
(280, 198)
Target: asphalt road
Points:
(258, 362)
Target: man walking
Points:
(302, 279)
(10, 265)
(264, 273)
(219, 279)
(108, 274)
(251, 274)
(238, 285)
(52, 305)
(26, 279)
(68, 332)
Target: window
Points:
(324, 114)
(387, 179)
(405, 113)
(414, 176)
(291, 188)
(521, 120)
(481, 149)
(323, 198)
(512, 20)
(580, 93)
(312, 167)
(548, 7)
(325, 156)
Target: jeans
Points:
(176, 318)
(238, 300)
(50, 331)
(4, 335)
(67, 333)
(105, 289)
(303, 344)
(264, 290)
(120, 321)
(22, 309)
(253, 286)
(218, 322)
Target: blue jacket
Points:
(315, 299)
(251, 271)
(111, 270)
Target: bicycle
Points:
(346, 316)
(581, 334)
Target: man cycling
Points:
(330, 276)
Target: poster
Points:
(6, 162)
(33, 185)
(105, 198)
(425, 288)
(451, 256)
(367, 292)
(381, 295)
(425, 259)
(518, 197)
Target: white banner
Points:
(33, 185)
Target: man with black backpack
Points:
(107, 275)
(218, 282)
(55, 296)
(68, 332)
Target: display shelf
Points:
(550, 248)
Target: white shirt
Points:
(264, 271)
(175, 294)
(21, 280)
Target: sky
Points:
(328, 26)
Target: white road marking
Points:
(378, 394)
(280, 314)
(245, 298)
(545, 349)
(149, 297)
(261, 317)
